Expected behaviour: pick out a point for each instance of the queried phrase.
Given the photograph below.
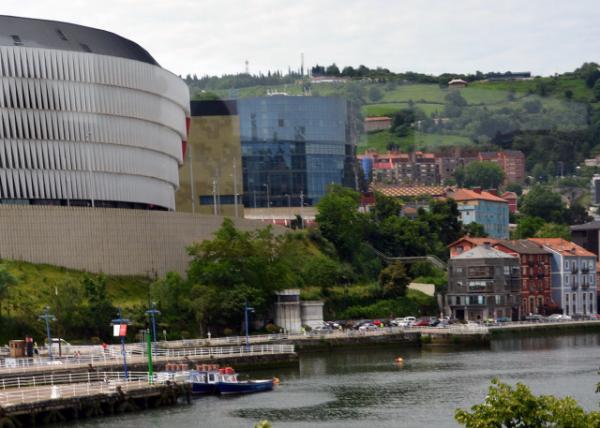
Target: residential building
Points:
(415, 168)
(587, 235)
(485, 208)
(467, 243)
(293, 147)
(536, 275)
(449, 159)
(574, 286)
(377, 123)
(511, 198)
(512, 163)
(87, 118)
(483, 283)
(457, 83)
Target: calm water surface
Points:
(365, 388)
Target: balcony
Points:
(585, 286)
(574, 269)
(585, 270)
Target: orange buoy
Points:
(399, 360)
(276, 381)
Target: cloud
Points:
(215, 37)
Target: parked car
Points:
(535, 318)
(503, 319)
(559, 317)
(422, 322)
(407, 322)
(368, 327)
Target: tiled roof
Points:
(566, 248)
(377, 118)
(403, 191)
(523, 246)
(469, 195)
(483, 252)
(474, 240)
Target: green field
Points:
(415, 141)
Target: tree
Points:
(474, 229)
(332, 70)
(541, 202)
(528, 226)
(512, 407)
(596, 90)
(487, 175)
(375, 93)
(515, 187)
(339, 220)
(553, 230)
(393, 280)
(100, 310)
(6, 281)
(577, 214)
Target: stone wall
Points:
(113, 241)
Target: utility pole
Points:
(122, 324)
(46, 316)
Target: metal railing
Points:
(70, 378)
(160, 355)
(15, 396)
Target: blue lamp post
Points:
(153, 312)
(246, 310)
(48, 317)
(120, 321)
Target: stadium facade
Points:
(87, 118)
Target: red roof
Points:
(470, 195)
(474, 240)
(377, 118)
(563, 246)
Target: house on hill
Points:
(485, 208)
(457, 83)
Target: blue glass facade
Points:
(293, 148)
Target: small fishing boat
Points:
(210, 379)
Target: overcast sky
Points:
(429, 36)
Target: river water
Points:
(365, 388)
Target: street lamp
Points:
(48, 317)
(153, 312)
(246, 310)
(122, 324)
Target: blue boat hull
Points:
(199, 388)
(226, 388)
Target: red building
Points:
(511, 198)
(377, 123)
(512, 163)
(536, 275)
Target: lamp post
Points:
(48, 317)
(153, 312)
(122, 332)
(246, 310)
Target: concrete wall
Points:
(113, 241)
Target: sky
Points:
(214, 37)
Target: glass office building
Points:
(293, 147)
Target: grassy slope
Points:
(416, 140)
(39, 280)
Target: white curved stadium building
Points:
(87, 118)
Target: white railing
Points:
(70, 378)
(160, 355)
(14, 396)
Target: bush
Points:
(272, 328)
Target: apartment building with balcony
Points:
(484, 283)
(574, 286)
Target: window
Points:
(458, 300)
(480, 272)
(566, 265)
(281, 123)
(567, 279)
(566, 298)
(459, 270)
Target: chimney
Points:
(477, 190)
(492, 191)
